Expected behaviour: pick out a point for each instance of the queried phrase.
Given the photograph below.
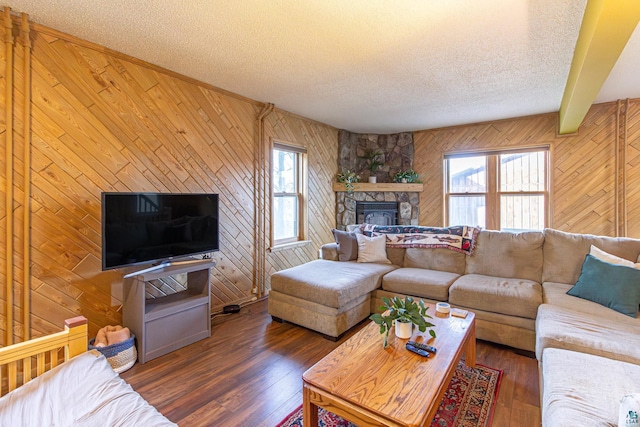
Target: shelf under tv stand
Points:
(164, 324)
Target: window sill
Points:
(291, 245)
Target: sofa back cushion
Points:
(439, 259)
(510, 255)
(396, 256)
(564, 253)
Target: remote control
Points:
(425, 347)
(417, 350)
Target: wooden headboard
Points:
(21, 362)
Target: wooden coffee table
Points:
(371, 386)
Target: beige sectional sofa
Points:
(588, 354)
(516, 284)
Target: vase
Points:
(404, 329)
(372, 179)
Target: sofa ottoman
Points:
(326, 296)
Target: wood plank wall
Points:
(103, 121)
(321, 142)
(585, 176)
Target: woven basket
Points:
(121, 356)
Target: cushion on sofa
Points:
(565, 252)
(614, 337)
(556, 294)
(504, 254)
(330, 283)
(614, 286)
(347, 245)
(610, 258)
(516, 297)
(396, 255)
(420, 282)
(584, 390)
(372, 249)
(435, 259)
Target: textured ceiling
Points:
(369, 66)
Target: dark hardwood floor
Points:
(248, 374)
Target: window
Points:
(289, 188)
(505, 190)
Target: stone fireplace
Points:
(397, 150)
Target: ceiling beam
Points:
(606, 27)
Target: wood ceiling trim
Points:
(605, 31)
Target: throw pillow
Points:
(355, 228)
(372, 249)
(347, 245)
(612, 259)
(610, 285)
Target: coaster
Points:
(458, 312)
(443, 307)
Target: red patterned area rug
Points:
(468, 402)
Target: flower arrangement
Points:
(349, 178)
(402, 310)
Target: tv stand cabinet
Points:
(162, 325)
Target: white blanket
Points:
(83, 391)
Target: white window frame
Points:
(493, 191)
(300, 192)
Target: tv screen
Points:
(156, 227)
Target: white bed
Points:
(82, 391)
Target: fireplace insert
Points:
(379, 213)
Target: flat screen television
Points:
(140, 228)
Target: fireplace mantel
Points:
(382, 187)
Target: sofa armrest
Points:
(329, 251)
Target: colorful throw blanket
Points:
(460, 238)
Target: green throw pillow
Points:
(614, 286)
